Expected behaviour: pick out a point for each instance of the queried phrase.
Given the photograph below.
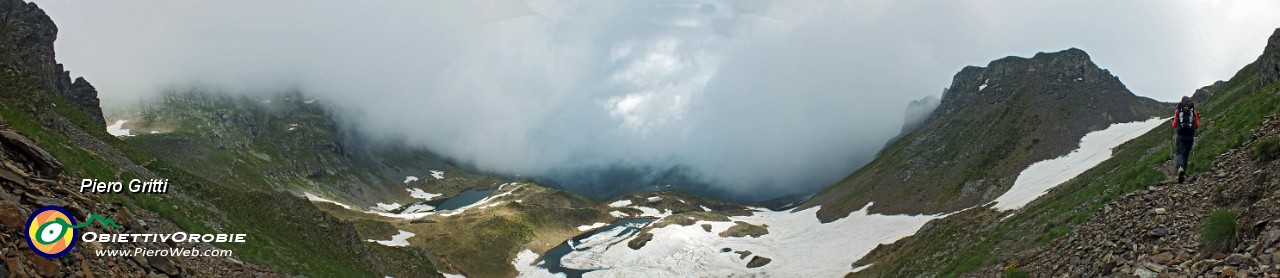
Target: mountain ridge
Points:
(990, 124)
(1001, 241)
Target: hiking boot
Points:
(1182, 175)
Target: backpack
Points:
(1187, 121)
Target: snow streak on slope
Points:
(592, 226)
(1095, 147)
(797, 243)
(405, 215)
(420, 194)
(117, 129)
(399, 240)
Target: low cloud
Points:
(752, 99)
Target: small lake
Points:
(466, 198)
(620, 229)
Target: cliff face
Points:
(1269, 62)
(26, 53)
(992, 123)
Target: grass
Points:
(744, 229)
(1218, 232)
(1267, 149)
(285, 232)
(1227, 120)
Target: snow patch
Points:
(592, 226)
(618, 204)
(402, 215)
(439, 175)
(385, 207)
(418, 193)
(797, 242)
(984, 85)
(526, 263)
(408, 179)
(1094, 148)
(655, 199)
(704, 208)
(399, 240)
(653, 212)
(861, 268)
(117, 129)
(311, 100)
(618, 214)
(418, 208)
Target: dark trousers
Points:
(1183, 150)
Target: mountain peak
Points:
(1002, 78)
(992, 122)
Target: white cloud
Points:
(765, 97)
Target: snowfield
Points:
(408, 179)
(525, 264)
(399, 240)
(797, 242)
(117, 129)
(1095, 147)
(439, 175)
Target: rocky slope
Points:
(287, 141)
(32, 178)
(1158, 230)
(1231, 112)
(39, 101)
(992, 123)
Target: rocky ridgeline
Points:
(991, 123)
(26, 50)
(31, 178)
(1155, 232)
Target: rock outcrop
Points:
(1269, 62)
(26, 53)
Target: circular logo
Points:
(50, 233)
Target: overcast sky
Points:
(759, 96)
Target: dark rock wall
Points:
(1269, 62)
(26, 49)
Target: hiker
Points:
(1185, 123)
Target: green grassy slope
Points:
(1227, 117)
(285, 232)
